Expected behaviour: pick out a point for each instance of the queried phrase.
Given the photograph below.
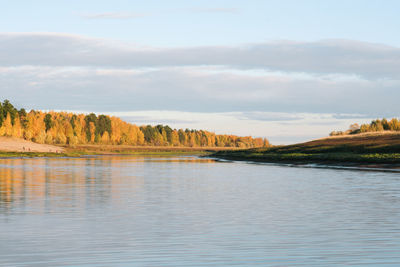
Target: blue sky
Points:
(285, 70)
(217, 22)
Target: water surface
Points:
(188, 211)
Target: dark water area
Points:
(189, 211)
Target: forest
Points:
(378, 125)
(65, 128)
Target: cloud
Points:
(351, 116)
(370, 61)
(270, 116)
(215, 10)
(113, 15)
(196, 90)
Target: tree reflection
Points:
(50, 184)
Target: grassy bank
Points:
(135, 150)
(8, 154)
(84, 150)
(356, 149)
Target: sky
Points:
(288, 70)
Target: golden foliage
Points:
(73, 129)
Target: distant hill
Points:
(378, 125)
(371, 142)
(377, 147)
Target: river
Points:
(190, 211)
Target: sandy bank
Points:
(20, 145)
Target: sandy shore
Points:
(20, 145)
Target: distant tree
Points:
(385, 124)
(48, 121)
(73, 120)
(105, 138)
(90, 127)
(266, 143)
(8, 108)
(376, 126)
(354, 127)
(168, 132)
(149, 134)
(7, 126)
(72, 129)
(394, 124)
(364, 128)
(103, 125)
(22, 117)
(182, 137)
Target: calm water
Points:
(186, 211)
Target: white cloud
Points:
(368, 60)
(195, 89)
(215, 10)
(113, 15)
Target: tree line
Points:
(378, 125)
(66, 128)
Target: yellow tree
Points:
(175, 138)
(17, 130)
(7, 125)
(140, 137)
(92, 129)
(105, 139)
(69, 132)
(115, 130)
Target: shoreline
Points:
(329, 164)
(15, 147)
(10, 154)
(373, 150)
(323, 164)
(71, 153)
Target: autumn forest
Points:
(66, 128)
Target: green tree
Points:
(385, 124)
(103, 125)
(48, 121)
(91, 118)
(22, 117)
(149, 133)
(9, 108)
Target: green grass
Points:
(156, 153)
(392, 158)
(140, 150)
(359, 150)
(80, 153)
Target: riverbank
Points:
(14, 147)
(370, 149)
(134, 150)
(17, 145)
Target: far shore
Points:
(14, 147)
(373, 149)
(379, 150)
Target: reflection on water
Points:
(31, 180)
(189, 211)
